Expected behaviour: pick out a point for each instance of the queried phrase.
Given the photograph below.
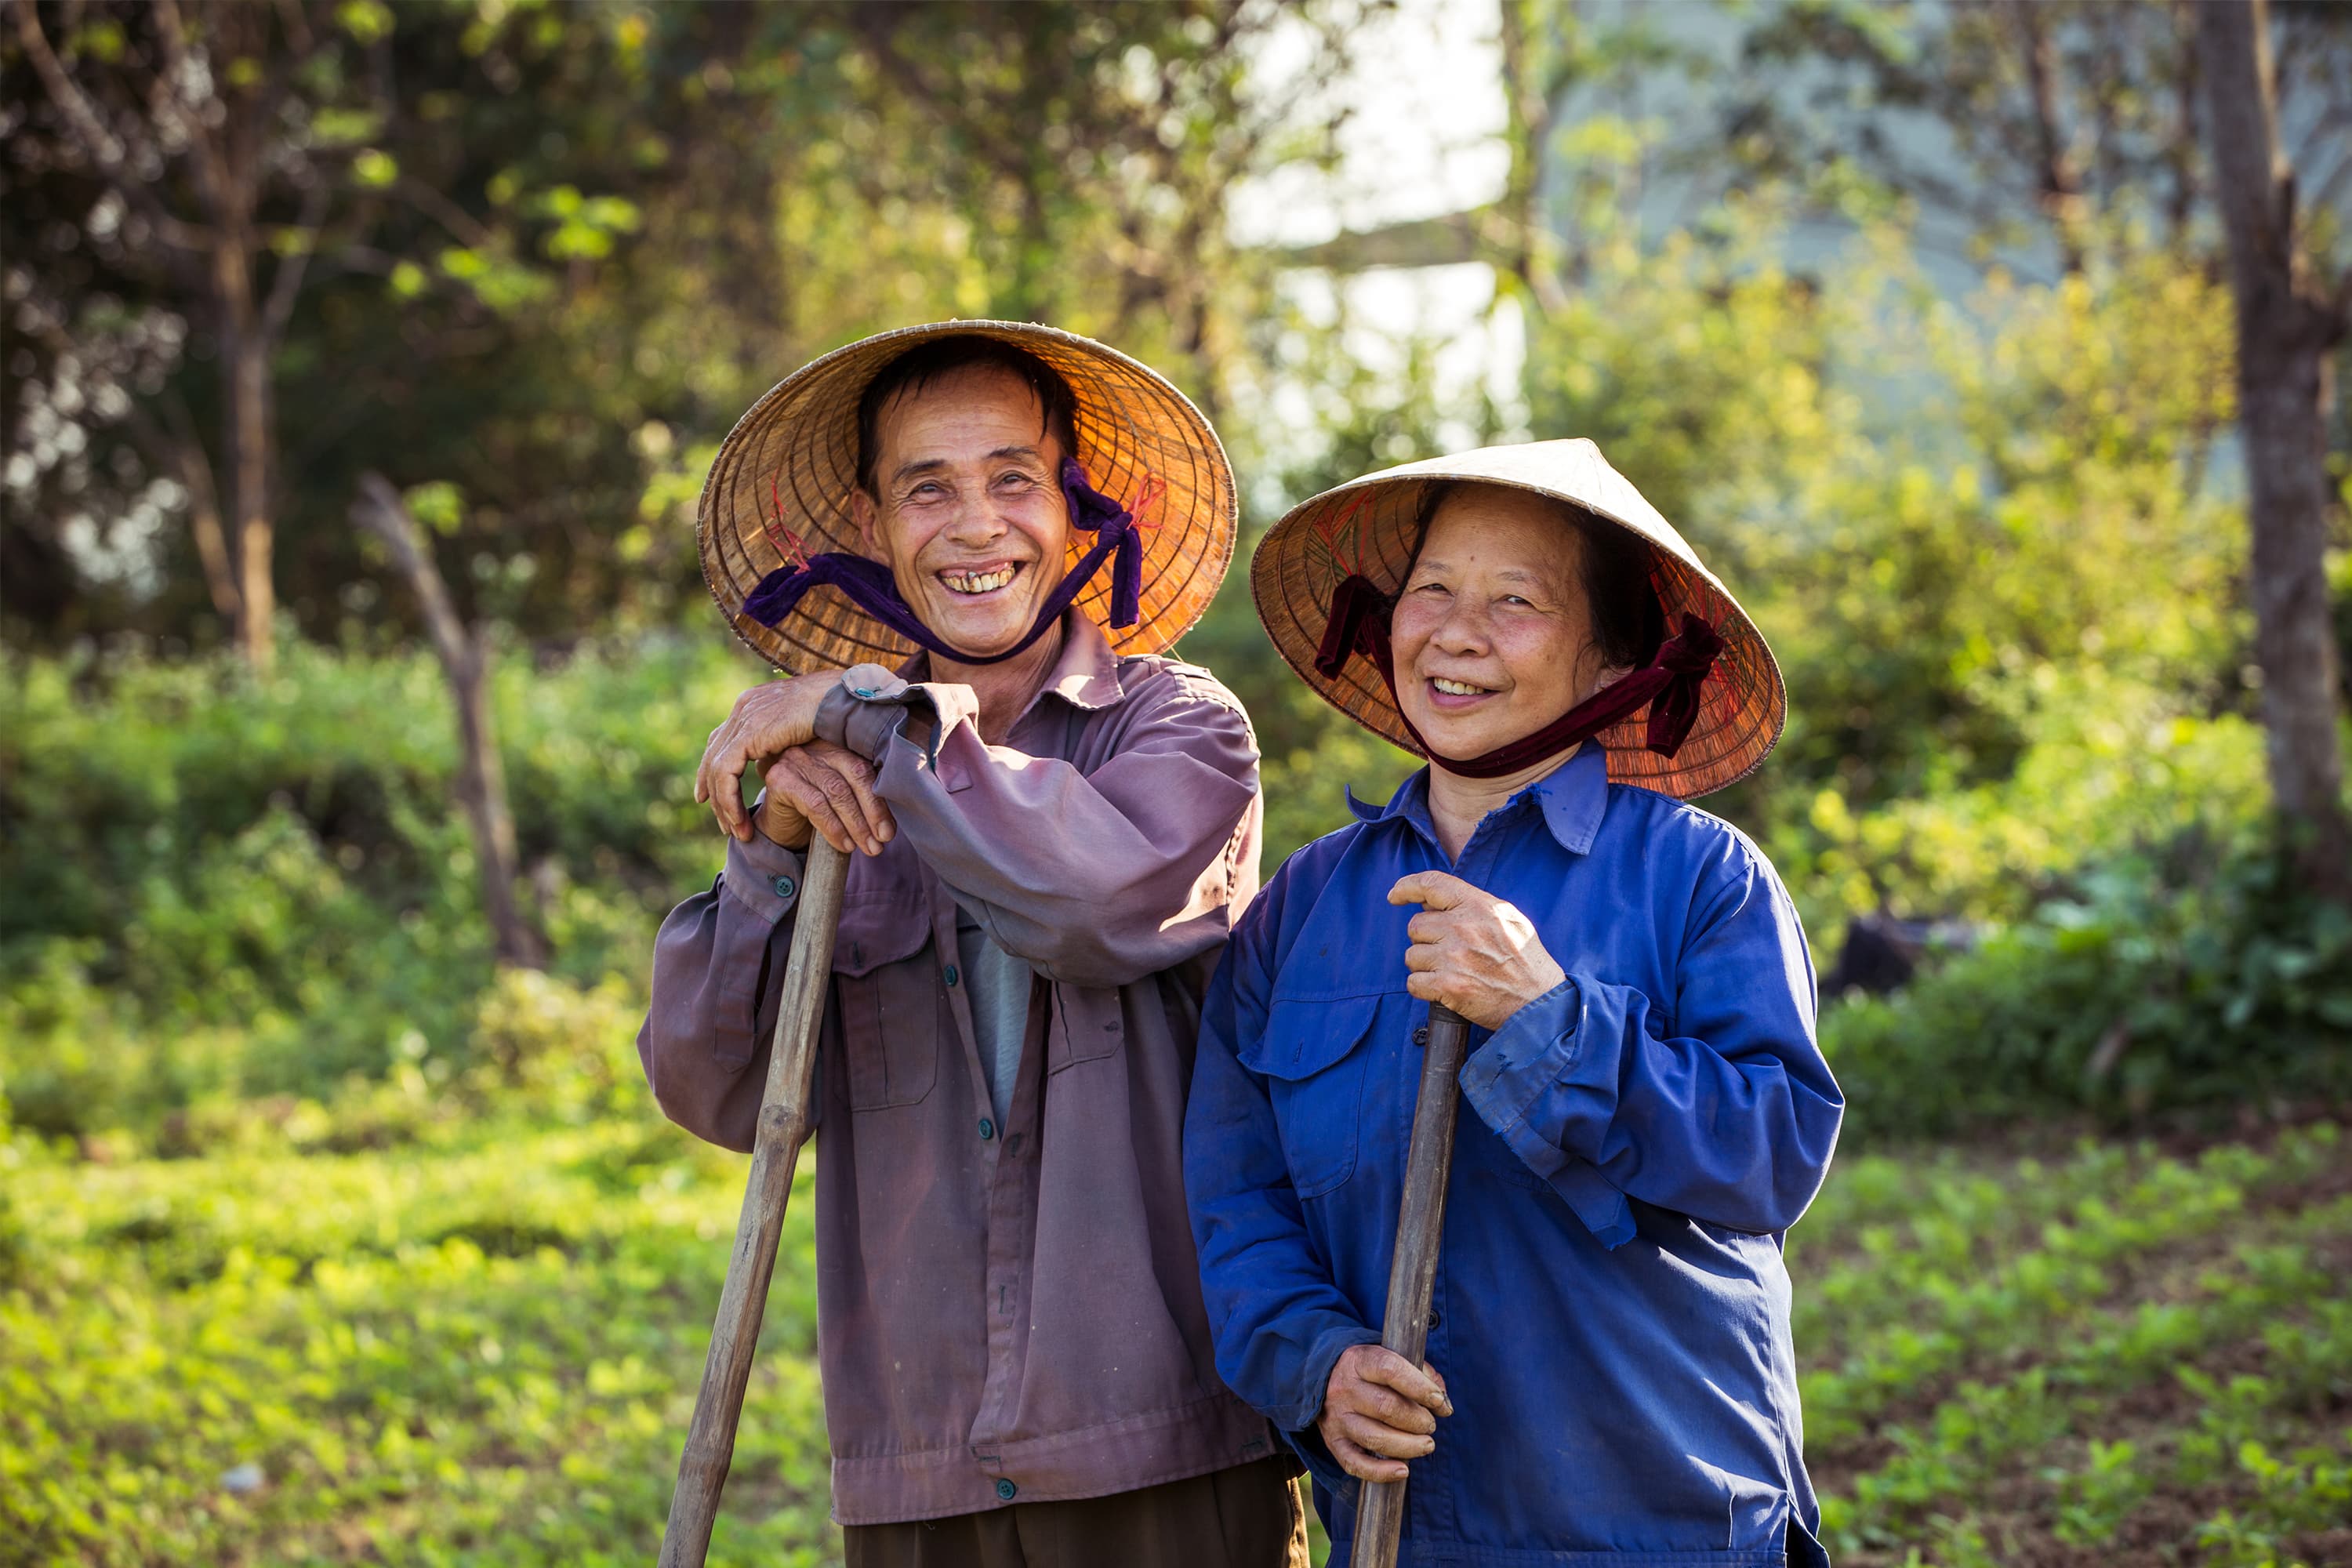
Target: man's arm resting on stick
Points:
(1091, 879)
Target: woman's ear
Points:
(1611, 674)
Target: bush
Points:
(2143, 992)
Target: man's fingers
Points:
(1426, 926)
(1431, 889)
(1364, 1466)
(811, 791)
(1438, 1378)
(1421, 957)
(1424, 987)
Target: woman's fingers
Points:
(1393, 1409)
(1392, 1370)
(1364, 1466)
(1380, 1438)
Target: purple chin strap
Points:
(868, 585)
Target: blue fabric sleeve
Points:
(1719, 1106)
(1278, 1320)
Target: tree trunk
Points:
(481, 779)
(2287, 329)
(246, 357)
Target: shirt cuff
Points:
(1537, 1049)
(1305, 1439)
(869, 707)
(763, 875)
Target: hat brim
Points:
(1365, 527)
(784, 476)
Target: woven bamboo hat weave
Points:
(1368, 527)
(782, 480)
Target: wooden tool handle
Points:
(783, 1129)
(1413, 1273)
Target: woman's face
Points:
(1492, 638)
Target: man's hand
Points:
(1379, 1411)
(1472, 952)
(767, 720)
(826, 788)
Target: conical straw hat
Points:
(1367, 527)
(785, 472)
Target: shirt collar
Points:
(1572, 798)
(1084, 673)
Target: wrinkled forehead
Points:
(1504, 532)
(968, 400)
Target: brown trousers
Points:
(1245, 1517)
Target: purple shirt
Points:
(1004, 1311)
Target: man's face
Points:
(969, 512)
(1492, 638)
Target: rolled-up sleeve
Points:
(718, 964)
(1092, 877)
(1720, 1107)
(1279, 1321)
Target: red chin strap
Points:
(1669, 684)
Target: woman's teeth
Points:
(1456, 687)
(978, 582)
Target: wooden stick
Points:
(1413, 1273)
(783, 1129)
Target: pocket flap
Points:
(1303, 1037)
(877, 927)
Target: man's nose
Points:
(976, 521)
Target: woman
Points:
(1610, 1378)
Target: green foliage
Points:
(2205, 984)
(222, 887)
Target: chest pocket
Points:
(887, 979)
(1312, 1058)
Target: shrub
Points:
(2135, 994)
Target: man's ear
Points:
(868, 519)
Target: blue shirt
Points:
(1611, 1312)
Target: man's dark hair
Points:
(1627, 622)
(928, 361)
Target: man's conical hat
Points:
(782, 480)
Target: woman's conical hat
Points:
(782, 480)
(1367, 527)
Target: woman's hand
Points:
(1472, 952)
(1380, 1410)
(830, 790)
(766, 722)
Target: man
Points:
(1052, 843)
(1609, 1375)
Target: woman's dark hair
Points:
(1627, 622)
(927, 362)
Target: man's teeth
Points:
(1456, 687)
(978, 582)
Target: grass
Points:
(479, 1345)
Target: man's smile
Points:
(976, 582)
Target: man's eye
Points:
(1004, 481)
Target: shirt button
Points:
(1420, 1035)
(1005, 1491)
(785, 887)
(987, 1130)
(1432, 1316)
(951, 976)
